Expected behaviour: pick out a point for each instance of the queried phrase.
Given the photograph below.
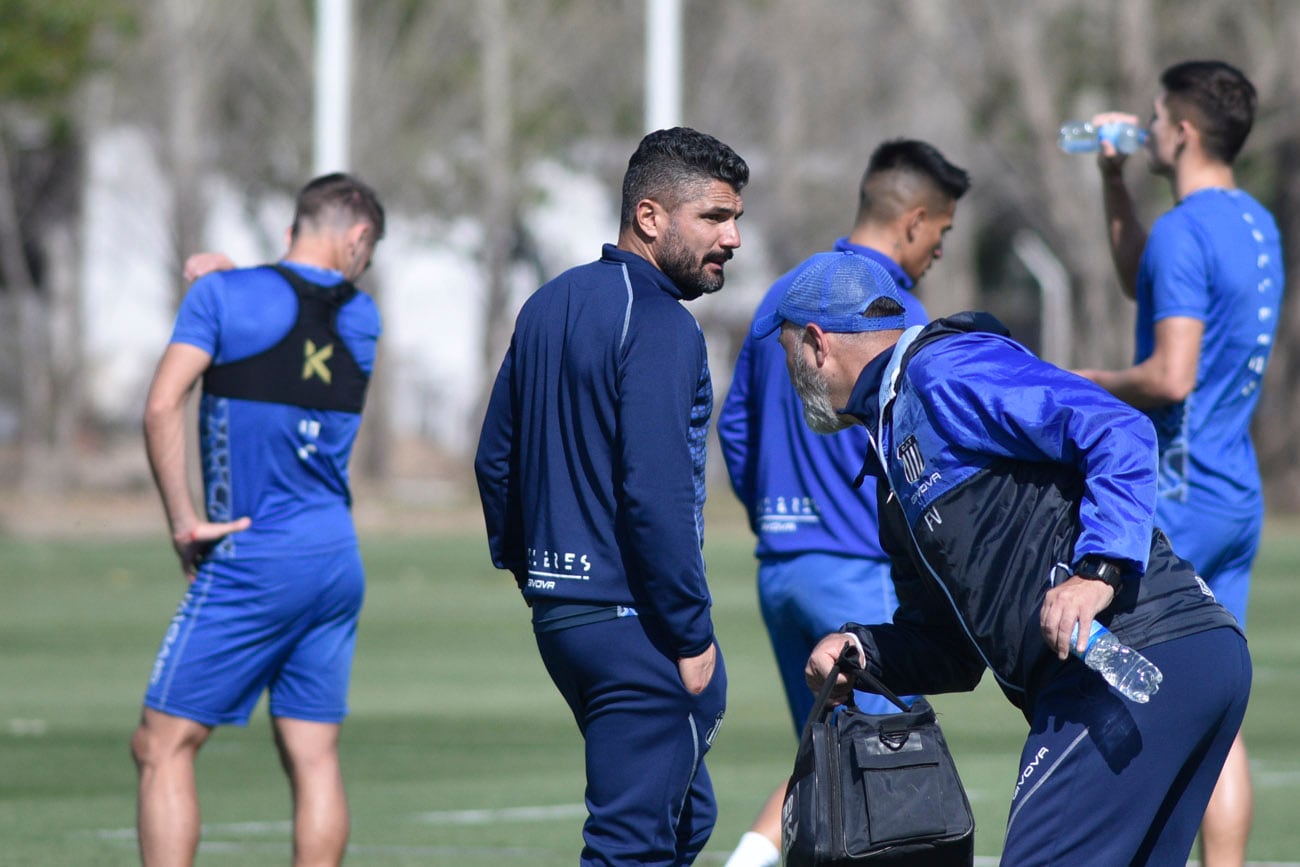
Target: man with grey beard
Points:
(817, 549)
(1017, 506)
(816, 397)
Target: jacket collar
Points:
(641, 267)
(864, 405)
(864, 401)
(870, 397)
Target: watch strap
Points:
(1097, 568)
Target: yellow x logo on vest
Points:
(314, 359)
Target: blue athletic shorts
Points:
(805, 597)
(1221, 547)
(287, 625)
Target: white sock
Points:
(754, 850)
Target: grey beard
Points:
(818, 412)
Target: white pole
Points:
(663, 64)
(1054, 291)
(333, 86)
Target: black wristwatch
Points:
(1098, 568)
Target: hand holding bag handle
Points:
(846, 663)
(857, 671)
(897, 802)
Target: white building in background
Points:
(427, 268)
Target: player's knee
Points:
(143, 747)
(308, 760)
(306, 747)
(153, 744)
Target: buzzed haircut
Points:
(669, 165)
(899, 170)
(1217, 98)
(883, 308)
(340, 200)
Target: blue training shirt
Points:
(590, 464)
(1216, 257)
(283, 466)
(796, 485)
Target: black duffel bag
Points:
(874, 789)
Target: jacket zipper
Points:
(878, 441)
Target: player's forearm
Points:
(1138, 386)
(1124, 231)
(164, 434)
(669, 570)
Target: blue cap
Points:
(833, 290)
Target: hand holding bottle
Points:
(1130, 673)
(1067, 604)
(1111, 135)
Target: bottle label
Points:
(1093, 633)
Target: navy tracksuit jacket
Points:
(591, 461)
(591, 472)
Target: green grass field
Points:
(459, 750)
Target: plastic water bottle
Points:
(1081, 137)
(1133, 675)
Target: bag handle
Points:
(846, 662)
(849, 660)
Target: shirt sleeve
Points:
(359, 327)
(198, 320)
(498, 477)
(992, 397)
(735, 429)
(1176, 267)
(924, 648)
(660, 371)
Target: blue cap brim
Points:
(764, 326)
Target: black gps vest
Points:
(310, 367)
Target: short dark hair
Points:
(1217, 98)
(340, 193)
(669, 163)
(915, 158)
(883, 308)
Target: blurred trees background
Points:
(455, 103)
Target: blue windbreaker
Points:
(590, 465)
(997, 471)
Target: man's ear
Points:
(915, 218)
(358, 233)
(819, 340)
(1187, 134)
(650, 218)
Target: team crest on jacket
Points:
(909, 454)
